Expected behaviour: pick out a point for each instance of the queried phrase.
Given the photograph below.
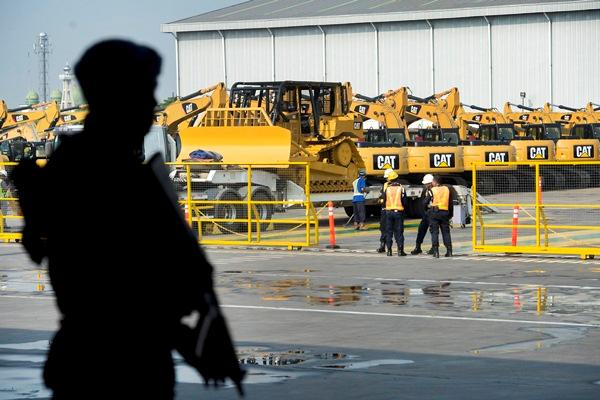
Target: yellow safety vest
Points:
(441, 197)
(393, 198)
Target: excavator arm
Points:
(187, 107)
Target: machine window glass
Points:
(596, 131)
(506, 133)
(553, 132)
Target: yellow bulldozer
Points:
(279, 122)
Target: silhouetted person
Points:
(124, 266)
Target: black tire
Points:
(265, 211)
(231, 211)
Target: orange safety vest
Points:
(441, 197)
(393, 198)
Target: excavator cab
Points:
(434, 137)
(496, 133)
(586, 131)
(385, 137)
(551, 131)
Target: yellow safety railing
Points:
(537, 208)
(248, 204)
(11, 219)
(225, 204)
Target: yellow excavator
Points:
(536, 134)
(3, 112)
(279, 122)
(581, 131)
(382, 146)
(73, 115)
(184, 111)
(432, 150)
(31, 123)
(489, 142)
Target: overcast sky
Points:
(73, 25)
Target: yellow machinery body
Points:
(535, 148)
(30, 123)
(267, 122)
(580, 129)
(434, 151)
(484, 143)
(383, 147)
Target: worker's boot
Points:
(389, 252)
(448, 252)
(401, 252)
(381, 248)
(430, 252)
(436, 252)
(417, 250)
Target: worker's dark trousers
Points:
(440, 220)
(382, 227)
(423, 227)
(395, 227)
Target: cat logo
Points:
(524, 117)
(385, 161)
(537, 152)
(20, 118)
(566, 117)
(67, 118)
(357, 125)
(477, 118)
(441, 160)
(581, 151)
(496, 156)
(361, 109)
(189, 107)
(414, 109)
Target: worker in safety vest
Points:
(358, 200)
(389, 175)
(394, 209)
(424, 224)
(439, 217)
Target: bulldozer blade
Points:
(240, 144)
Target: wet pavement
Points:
(363, 325)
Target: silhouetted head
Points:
(118, 79)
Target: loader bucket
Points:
(239, 144)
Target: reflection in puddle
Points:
(444, 295)
(553, 337)
(37, 345)
(24, 281)
(22, 383)
(367, 364)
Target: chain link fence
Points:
(549, 207)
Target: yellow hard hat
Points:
(392, 176)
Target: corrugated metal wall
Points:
(520, 54)
(404, 57)
(520, 57)
(576, 57)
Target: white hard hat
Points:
(427, 179)
(3, 173)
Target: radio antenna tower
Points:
(42, 49)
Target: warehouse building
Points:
(529, 51)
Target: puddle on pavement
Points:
(276, 359)
(37, 345)
(552, 337)
(366, 364)
(443, 295)
(24, 281)
(22, 383)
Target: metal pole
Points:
(550, 55)
(224, 57)
(376, 58)
(538, 195)
(432, 56)
(474, 208)
(324, 53)
(272, 54)
(489, 24)
(177, 89)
